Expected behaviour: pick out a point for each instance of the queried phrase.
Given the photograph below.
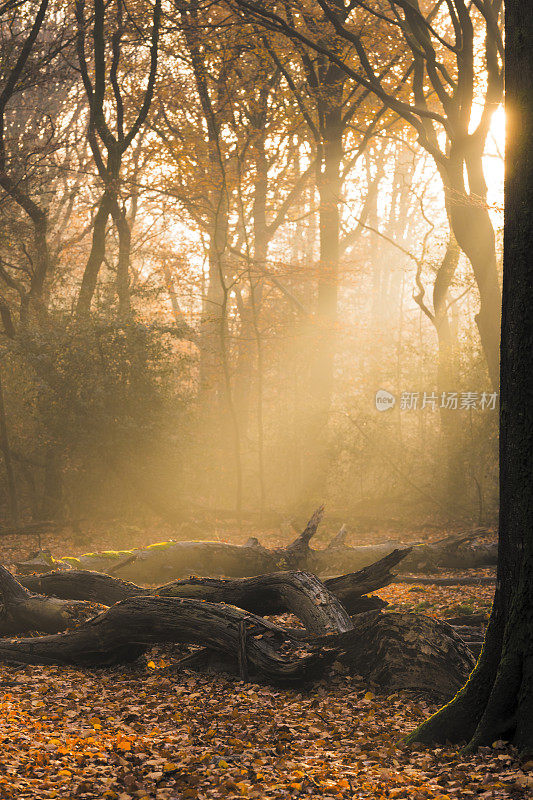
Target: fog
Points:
(239, 277)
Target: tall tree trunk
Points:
(261, 240)
(248, 339)
(210, 324)
(52, 498)
(96, 257)
(123, 264)
(472, 227)
(497, 700)
(42, 264)
(447, 377)
(329, 224)
(399, 223)
(375, 257)
(213, 320)
(323, 339)
(6, 450)
(250, 342)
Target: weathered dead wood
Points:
(76, 584)
(392, 650)
(127, 629)
(456, 551)
(24, 611)
(301, 593)
(159, 563)
(296, 591)
(162, 562)
(29, 529)
(41, 561)
(399, 650)
(264, 594)
(368, 579)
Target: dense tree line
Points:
(225, 227)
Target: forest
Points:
(266, 434)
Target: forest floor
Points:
(156, 731)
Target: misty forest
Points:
(266, 433)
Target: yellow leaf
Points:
(222, 764)
(151, 665)
(369, 696)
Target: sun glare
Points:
(493, 164)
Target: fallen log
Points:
(75, 584)
(25, 611)
(254, 594)
(391, 650)
(457, 551)
(161, 562)
(404, 651)
(126, 630)
(368, 579)
(298, 592)
(435, 580)
(30, 529)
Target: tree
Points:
(17, 75)
(497, 700)
(438, 103)
(328, 102)
(245, 215)
(113, 142)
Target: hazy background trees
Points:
(225, 227)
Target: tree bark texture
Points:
(393, 650)
(265, 594)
